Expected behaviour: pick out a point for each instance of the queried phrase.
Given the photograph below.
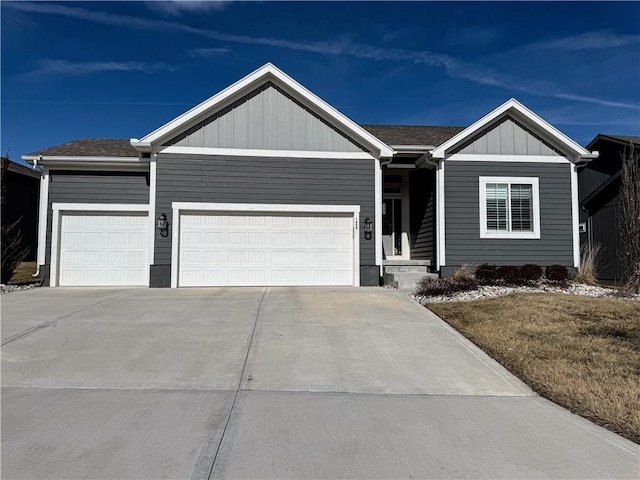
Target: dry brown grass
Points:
(23, 273)
(587, 270)
(582, 353)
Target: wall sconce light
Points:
(368, 228)
(163, 225)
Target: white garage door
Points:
(103, 249)
(219, 249)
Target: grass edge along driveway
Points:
(580, 352)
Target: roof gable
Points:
(526, 118)
(266, 118)
(265, 74)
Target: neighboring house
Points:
(21, 187)
(266, 184)
(599, 185)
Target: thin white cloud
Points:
(207, 52)
(454, 67)
(587, 41)
(180, 7)
(47, 67)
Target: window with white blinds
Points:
(509, 207)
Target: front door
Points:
(392, 227)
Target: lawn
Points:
(580, 352)
(23, 274)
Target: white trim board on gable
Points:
(266, 73)
(526, 116)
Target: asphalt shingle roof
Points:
(91, 147)
(412, 134)
(624, 138)
(20, 169)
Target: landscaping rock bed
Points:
(490, 291)
(17, 288)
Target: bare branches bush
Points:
(629, 221)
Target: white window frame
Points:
(534, 182)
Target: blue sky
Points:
(121, 69)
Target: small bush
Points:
(556, 273)
(444, 286)
(510, 275)
(486, 273)
(531, 273)
(462, 274)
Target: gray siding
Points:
(264, 180)
(267, 118)
(462, 216)
(507, 137)
(94, 187)
(422, 214)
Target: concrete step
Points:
(406, 268)
(405, 281)
(426, 263)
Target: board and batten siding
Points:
(269, 119)
(507, 137)
(422, 214)
(264, 180)
(94, 187)
(462, 216)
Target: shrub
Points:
(444, 286)
(486, 273)
(462, 274)
(510, 274)
(531, 273)
(556, 273)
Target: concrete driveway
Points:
(271, 383)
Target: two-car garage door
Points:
(244, 248)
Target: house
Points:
(21, 187)
(599, 187)
(267, 184)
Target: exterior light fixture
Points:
(368, 228)
(163, 225)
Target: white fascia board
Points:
(474, 157)
(512, 105)
(101, 207)
(266, 73)
(249, 152)
(89, 163)
(264, 207)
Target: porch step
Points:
(405, 281)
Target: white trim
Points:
(178, 207)
(377, 222)
(262, 75)
(472, 157)
(441, 253)
(247, 152)
(512, 106)
(535, 193)
(59, 208)
(72, 158)
(575, 215)
(101, 207)
(43, 211)
(152, 209)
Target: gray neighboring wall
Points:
(462, 216)
(264, 180)
(94, 187)
(507, 137)
(267, 118)
(422, 214)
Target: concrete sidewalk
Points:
(271, 383)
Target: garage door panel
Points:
(265, 249)
(103, 249)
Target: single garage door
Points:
(103, 249)
(224, 249)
